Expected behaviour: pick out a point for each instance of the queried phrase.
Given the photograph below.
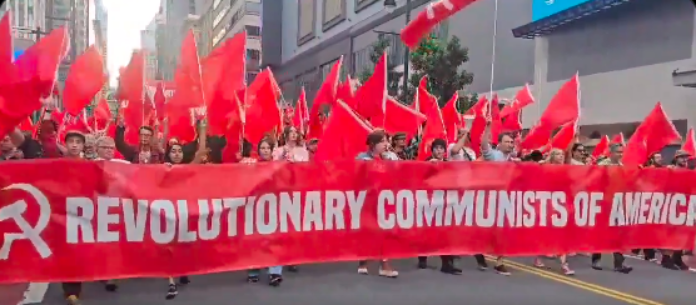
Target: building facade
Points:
(625, 51)
(101, 24)
(148, 43)
(172, 18)
(235, 16)
(27, 16)
(75, 15)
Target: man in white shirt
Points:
(459, 151)
(106, 148)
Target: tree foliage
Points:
(442, 62)
(393, 77)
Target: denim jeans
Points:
(275, 270)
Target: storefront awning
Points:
(547, 25)
(685, 77)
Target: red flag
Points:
(512, 122)
(601, 148)
(85, 79)
(225, 69)
(619, 139)
(523, 98)
(400, 118)
(160, 101)
(346, 93)
(187, 77)
(263, 114)
(102, 112)
(453, 120)
(564, 107)
(434, 13)
(345, 135)
(653, 134)
(423, 100)
(6, 47)
(690, 143)
(478, 125)
(40, 62)
(434, 129)
(565, 137)
(132, 78)
(325, 96)
(496, 120)
(301, 115)
(372, 95)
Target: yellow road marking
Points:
(611, 293)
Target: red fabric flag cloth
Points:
(187, 77)
(434, 129)
(512, 122)
(345, 135)
(565, 137)
(453, 120)
(160, 100)
(423, 100)
(653, 134)
(263, 114)
(690, 143)
(601, 148)
(478, 124)
(400, 118)
(40, 62)
(564, 107)
(102, 114)
(85, 79)
(6, 45)
(496, 120)
(301, 114)
(619, 139)
(224, 77)
(372, 95)
(538, 137)
(326, 95)
(346, 93)
(523, 98)
(132, 79)
(434, 13)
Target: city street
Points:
(339, 284)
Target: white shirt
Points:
(460, 155)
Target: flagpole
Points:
(495, 35)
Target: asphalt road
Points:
(339, 284)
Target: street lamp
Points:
(390, 6)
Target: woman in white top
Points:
(291, 147)
(458, 151)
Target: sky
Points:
(126, 19)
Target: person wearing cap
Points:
(681, 159)
(74, 144)
(400, 147)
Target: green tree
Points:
(393, 77)
(441, 61)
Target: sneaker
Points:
(682, 266)
(392, 274)
(482, 266)
(668, 263)
(624, 269)
(110, 287)
(566, 270)
(451, 270)
(73, 300)
(252, 278)
(293, 268)
(422, 264)
(172, 292)
(275, 280)
(597, 265)
(184, 280)
(538, 263)
(500, 269)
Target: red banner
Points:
(66, 220)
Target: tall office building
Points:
(148, 43)
(232, 17)
(75, 15)
(101, 23)
(27, 18)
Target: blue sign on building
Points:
(17, 53)
(544, 8)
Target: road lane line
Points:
(618, 295)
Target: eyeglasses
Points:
(107, 147)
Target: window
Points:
(253, 30)
(219, 16)
(253, 54)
